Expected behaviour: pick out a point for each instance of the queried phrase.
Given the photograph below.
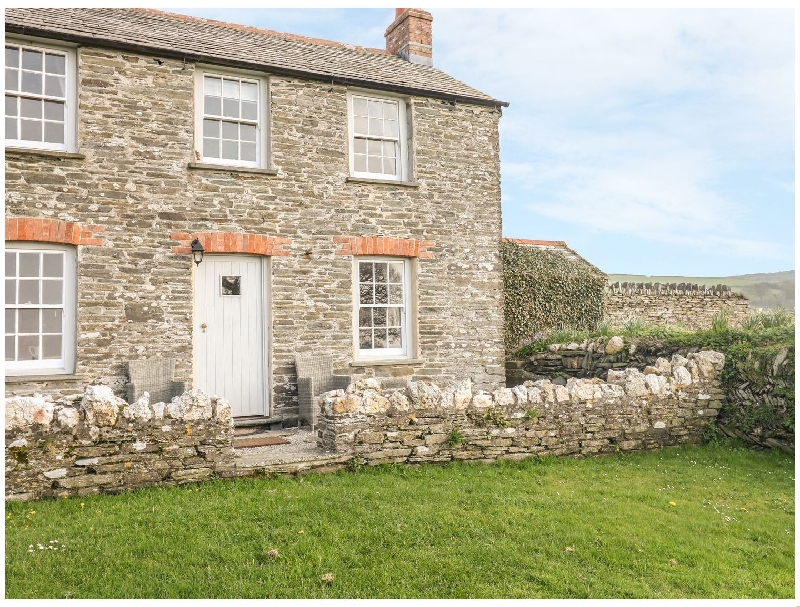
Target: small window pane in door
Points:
(231, 285)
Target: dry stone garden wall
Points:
(690, 305)
(590, 358)
(97, 443)
(670, 402)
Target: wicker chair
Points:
(315, 376)
(155, 376)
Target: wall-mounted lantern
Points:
(197, 251)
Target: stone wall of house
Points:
(94, 442)
(669, 403)
(690, 305)
(132, 181)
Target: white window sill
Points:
(21, 377)
(382, 362)
(49, 153)
(405, 184)
(230, 168)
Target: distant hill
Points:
(769, 290)
(787, 276)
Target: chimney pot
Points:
(410, 35)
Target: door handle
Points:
(204, 326)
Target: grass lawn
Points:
(689, 522)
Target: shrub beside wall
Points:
(544, 290)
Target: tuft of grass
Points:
(542, 528)
(768, 319)
(721, 321)
(634, 326)
(604, 328)
(455, 438)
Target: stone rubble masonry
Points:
(132, 176)
(590, 358)
(94, 442)
(97, 443)
(670, 404)
(690, 305)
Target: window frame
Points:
(263, 140)
(71, 94)
(66, 364)
(403, 173)
(408, 315)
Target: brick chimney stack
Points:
(410, 36)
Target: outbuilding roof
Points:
(557, 246)
(214, 42)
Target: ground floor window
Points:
(40, 308)
(382, 296)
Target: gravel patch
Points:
(302, 447)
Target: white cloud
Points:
(633, 122)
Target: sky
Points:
(656, 142)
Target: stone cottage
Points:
(346, 201)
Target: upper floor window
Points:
(40, 97)
(231, 111)
(40, 308)
(378, 137)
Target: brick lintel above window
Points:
(53, 230)
(384, 245)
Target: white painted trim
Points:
(71, 100)
(266, 319)
(66, 365)
(408, 317)
(263, 139)
(403, 172)
(266, 328)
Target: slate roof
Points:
(179, 36)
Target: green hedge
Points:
(546, 291)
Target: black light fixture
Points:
(197, 251)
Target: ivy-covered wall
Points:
(759, 383)
(546, 289)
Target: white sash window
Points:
(40, 308)
(40, 97)
(378, 137)
(382, 307)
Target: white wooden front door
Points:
(230, 312)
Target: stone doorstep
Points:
(307, 458)
(259, 440)
(328, 463)
(270, 423)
